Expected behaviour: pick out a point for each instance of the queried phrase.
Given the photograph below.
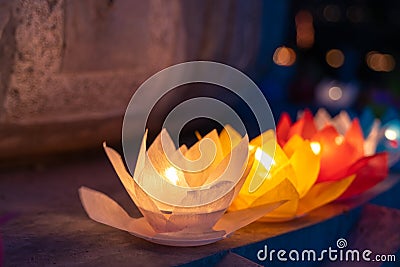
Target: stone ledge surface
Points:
(48, 226)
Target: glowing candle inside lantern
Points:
(344, 151)
(315, 147)
(251, 148)
(182, 214)
(172, 175)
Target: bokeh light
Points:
(380, 62)
(390, 140)
(332, 13)
(284, 56)
(335, 93)
(390, 134)
(334, 58)
(304, 29)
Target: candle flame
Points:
(315, 147)
(172, 175)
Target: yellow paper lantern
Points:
(292, 177)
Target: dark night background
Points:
(356, 28)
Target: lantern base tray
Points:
(191, 240)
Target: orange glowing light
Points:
(284, 56)
(335, 58)
(339, 140)
(304, 29)
(342, 149)
(380, 62)
(389, 63)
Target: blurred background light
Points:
(390, 140)
(350, 42)
(391, 134)
(380, 62)
(335, 58)
(335, 93)
(284, 56)
(304, 29)
(332, 13)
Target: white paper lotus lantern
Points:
(181, 207)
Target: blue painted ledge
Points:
(318, 230)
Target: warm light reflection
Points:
(380, 62)
(335, 93)
(391, 134)
(339, 140)
(315, 147)
(172, 175)
(304, 29)
(335, 58)
(284, 56)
